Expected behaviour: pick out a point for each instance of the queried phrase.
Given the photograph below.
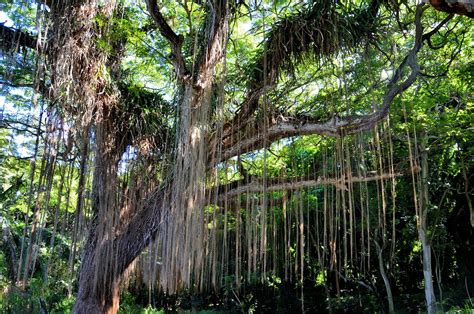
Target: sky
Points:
(21, 140)
(8, 108)
(4, 19)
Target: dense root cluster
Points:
(79, 80)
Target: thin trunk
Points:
(9, 247)
(427, 272)
(80, 200)
(466, 191)
(391, 307)
(421, 203)
(425, 241)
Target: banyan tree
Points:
(172, 133)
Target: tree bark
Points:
(107, 256)
(9, 247)
(168, 210)
(99, 285)
(388, 289)
(427, 272)
(422, 229)
(454, 7)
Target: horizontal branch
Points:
(454, 7)
(258, 186)
(289, 127)
(9, 124)
(12, 39)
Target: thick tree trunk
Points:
(99, 281)
(76, 65)
(171, 212)
(106, 260)
(107, 256)
(98, 293)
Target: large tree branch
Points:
(215, 36)
(272, 185)
(175, 40)
(454, 7)
(12, 39)
(311, 31)
(336, 126)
